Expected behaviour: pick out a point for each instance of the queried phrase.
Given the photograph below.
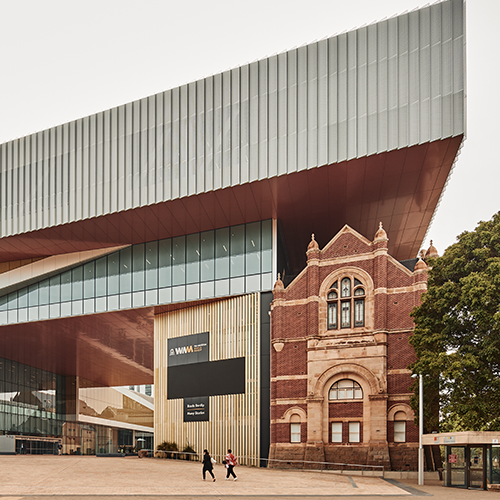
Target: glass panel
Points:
(32, 295)
(334, 285)
(336, 432)
(138, 262)
(359, 291)
(55, 289)
(43, 293)
(77, 277)
(359, 312)
(354, 432)
(357, 282)
(332, 315)
(346, 288)
(253, 248)
(399, 432)
(3, 302)
(113, 273)
(222, 253)
(346, 314)
(295, 433)
(193, 291)
(476, 467)
(22, 297)
(207, 256)
(88, 280)
(151, 258)
(332, 295)
(66, 286)
(221, 288)
(253, 283)
(125, 270)
(207, 289)
(164, 263)
(100, 277)
(179, 260)
(456, 461)
(193, 258)
(267, 246)
(12, 300)
(237, 251)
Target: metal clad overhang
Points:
(400, 188)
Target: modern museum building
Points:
(141, 246)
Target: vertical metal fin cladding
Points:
(234, 328)
(389, 85)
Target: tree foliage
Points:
(457, 333)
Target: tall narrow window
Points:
(400, 427)
(336, 432)
(295, 429)
(354, 434)
(295, 433)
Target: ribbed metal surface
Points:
(234, 327)
(389, 85)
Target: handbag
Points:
(213, 460)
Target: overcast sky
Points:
(65, 59)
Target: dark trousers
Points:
(209, 470)
(230, 471)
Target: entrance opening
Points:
(465, 466)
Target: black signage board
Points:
(188, 349)
(196, 409)
(213, 378)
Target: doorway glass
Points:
(456, 462)
(476, 467)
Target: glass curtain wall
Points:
(227, 261)
(32, 401)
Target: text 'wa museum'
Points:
(142, 245)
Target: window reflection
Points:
(226, 261)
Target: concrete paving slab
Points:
(86, 477)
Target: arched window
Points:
(295, 429)
(345, 389)
(350, 305)
(400, 427)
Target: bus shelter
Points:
(470, 459)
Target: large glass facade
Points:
(221, 262)
(32, 401)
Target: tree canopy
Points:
(457, 332)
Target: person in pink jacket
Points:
(231, 461)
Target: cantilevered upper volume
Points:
(357, 128)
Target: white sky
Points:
(65, 59)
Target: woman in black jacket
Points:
(208, 462)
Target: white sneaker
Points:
(235, 479)
(227, 478)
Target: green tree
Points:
(457, 332)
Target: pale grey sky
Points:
(64, 59)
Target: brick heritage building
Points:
(340, 384)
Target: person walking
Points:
(208, 462)
(231, 461)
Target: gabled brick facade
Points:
(310, 355)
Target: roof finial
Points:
(313, 244)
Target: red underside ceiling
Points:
(400, 188)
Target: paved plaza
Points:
(32, 477)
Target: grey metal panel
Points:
(389, 85)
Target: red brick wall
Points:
(346, 409)
(299, 320)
